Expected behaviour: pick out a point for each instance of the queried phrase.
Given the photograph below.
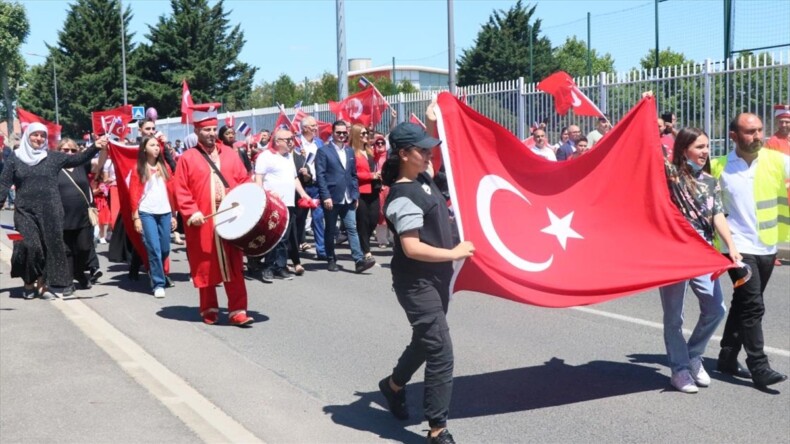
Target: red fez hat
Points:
(782, 111)
(205, 114)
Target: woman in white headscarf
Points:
(40, 259)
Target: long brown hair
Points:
(356, 140)
(142, 162)
(685, 138)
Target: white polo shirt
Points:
(278, 173)
(737, 195)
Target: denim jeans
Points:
(347, 213)
(156, 237)
(317, 223)
(712, 311)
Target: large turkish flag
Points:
(124, 159)
(561, 234)
(365, 107)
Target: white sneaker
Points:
(683, 381)
(698, 373)
(159, 293)
(102, 241)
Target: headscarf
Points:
(190, 141)
(26, 153)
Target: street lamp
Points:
(54, 82)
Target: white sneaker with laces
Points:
(683, 381)
(698, 373)
(159, 293)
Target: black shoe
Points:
(29, 293)
(765, 377)
(254, 264)
(729, 365)
(95, 275)
(396, 402)
(320, 257)
(168, 282)
(85, 284)
(267, 276)
(282, 274)
(444, 437)
(134, 276)
(365, 264)
(68, 292)
(332, 266)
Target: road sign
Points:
(138, 112)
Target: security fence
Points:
(705, 95)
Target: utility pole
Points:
(450, 47)
(342, 63)
(123, 55)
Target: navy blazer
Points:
(333, 180)
(565, 151)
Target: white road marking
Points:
(207, 420)
(660, 326)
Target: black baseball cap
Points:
(408, 134)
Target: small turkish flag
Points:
(186, 103)
(365, 107)
(112, 121)
(561, 234)
(567, 95)
(416, 120)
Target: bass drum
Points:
(251, 219)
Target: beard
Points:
(751, 147)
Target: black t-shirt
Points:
(75, 207)
(418, 205)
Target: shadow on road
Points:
(192, 314)
(550, 385)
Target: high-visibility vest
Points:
(770, 195)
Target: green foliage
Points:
(195, 43)
(571, 57)
(385, 86)
(286, 92)
(502, 49)
(14, 29)
(325, 90)
(666, 57)
(87, 59)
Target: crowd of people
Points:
(359, 185)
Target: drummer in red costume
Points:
(199, 189)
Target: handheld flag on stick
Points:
(567, 95)
(186, 103)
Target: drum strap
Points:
(214, 167)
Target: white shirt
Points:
(737, 195)
(278, 172)
(341, 153)
(154, 199)
(309, 148)
(546, 152)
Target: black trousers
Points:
(430, 344)
(277, 259)
(78, 251)
(301, 224)
(367, 218)
(744, 326)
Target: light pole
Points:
(123, 55)
(54, 82)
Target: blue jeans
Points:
(317, 222)
(712, 311)
(348, 215)
(156, 236)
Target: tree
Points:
(502, 49)
(285, 91)
(88, 64)
(666, 57)
(385, 86)
(195, 43)
(325, 90)
(571, 57)
(14, 29)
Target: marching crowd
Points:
(359, 185)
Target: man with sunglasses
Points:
(338, 188)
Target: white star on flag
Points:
(561, 228)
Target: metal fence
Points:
(705, 95)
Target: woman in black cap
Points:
(422, 267)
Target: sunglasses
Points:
(69, 150)
(380, 143)
(341, 133)
(288, 140)
(363, 133)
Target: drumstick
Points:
(232, 206)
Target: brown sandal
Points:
(299, 270)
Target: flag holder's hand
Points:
(102, 143)
(463, 250)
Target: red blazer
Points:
(136, 189)
(364, 175)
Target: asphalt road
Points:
(308, 368)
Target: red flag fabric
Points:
(324, 130)
(282, 122)
(567, 95)
(2, 140)
(53, 129)
(186, 103)
(365, 107)
(124, 159)
(416, 120)
(230, 121)
(561, 234)
(114, 121)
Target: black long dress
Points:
(77, 228)
(39, 216)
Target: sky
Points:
(415, 31)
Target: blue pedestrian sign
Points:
(138, 112)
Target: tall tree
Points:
(87, 60)
(571, 57)
(502, 49)
(195, 43)
(14, 28)
(666, 57)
